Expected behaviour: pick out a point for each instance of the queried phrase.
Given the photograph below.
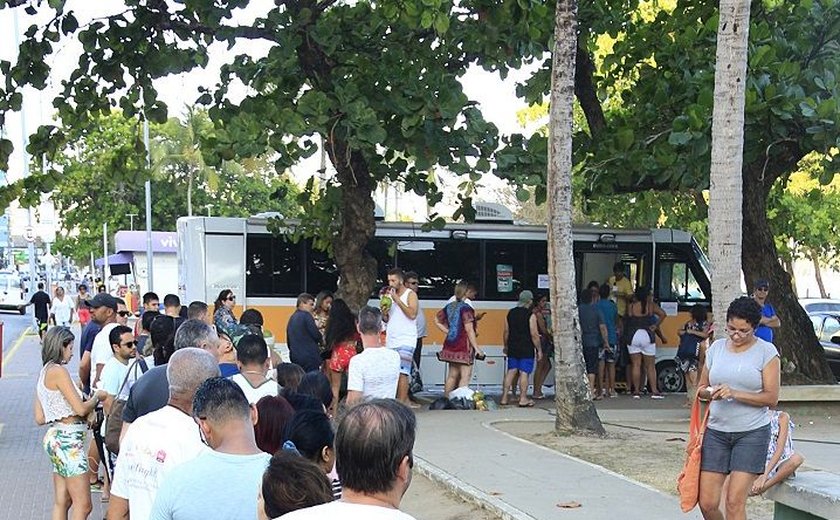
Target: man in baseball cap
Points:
(769, 320)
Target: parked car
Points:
(12, 295)
(812, 305)
(827, 328)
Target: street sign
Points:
(29, 234)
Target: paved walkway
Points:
(522, 480)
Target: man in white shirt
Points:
(160, 440)
(401, 335)
(252, 356)
(374, 448)
(101, 351)
(124, 348)
(375, 372)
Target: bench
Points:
(811, 495)
(809, 393)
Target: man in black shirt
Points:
(42, 302)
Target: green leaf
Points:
(679, 138)
(69, 24)
(522, 194)
(441, 23)
(624, 138)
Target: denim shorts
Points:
(725, 452)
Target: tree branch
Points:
(586, 92)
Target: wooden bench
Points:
(811, 495)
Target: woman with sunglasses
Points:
(741, 379)
(223, 316)
(60, 404)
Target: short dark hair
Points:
(196, 310)
(40, 285)
(150, 297)
(251, 317)
(147, 318)
(371, 442)
(604, 291)
(699, 312)
(274, 412)
(318, 386)
(411, 275)
(162, 336)
(171, 300)
(586, 297)
(304, 298)
(291, 482)
(744, 308)
(399, 273)
(618, 267)
(116, 332)
(220, 400)
(593, 285)
(251, 350)
(370, 320)
(302, 401)
(311, 432)
(289, 375)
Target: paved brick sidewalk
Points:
(26, 490)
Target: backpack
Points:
(113, 426)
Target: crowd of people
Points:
(194, 416)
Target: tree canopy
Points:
(104, 168)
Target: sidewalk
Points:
(521, 480)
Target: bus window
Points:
(273, 266)
(504, 274)
(440, 264)
(321, 272)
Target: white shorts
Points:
(641, 344)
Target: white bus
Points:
(268, 271)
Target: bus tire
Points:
(669, 377)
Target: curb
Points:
(469, 493)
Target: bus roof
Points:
(456, 230)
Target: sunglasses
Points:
(231, 298)
(124, 313)
(129, 344)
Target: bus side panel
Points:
(224, 265)
(191, 261)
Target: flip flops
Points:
(529, 404)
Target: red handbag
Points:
(688, 483)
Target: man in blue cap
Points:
(769, 320)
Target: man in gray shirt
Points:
(593, 336)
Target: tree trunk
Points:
(818, 275)
(795, 339)
(787, 265)
(575, 410)
(727, 154)
(357, 226)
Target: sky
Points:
(496, 97)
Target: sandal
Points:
(529, 404)
(96, 487)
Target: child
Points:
(782, 461)
(693, 333)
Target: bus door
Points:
(595, 261)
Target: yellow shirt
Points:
(624, 291)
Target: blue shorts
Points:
(525, 365)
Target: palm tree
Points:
(725, 177)
(575, 410)
(179, 148)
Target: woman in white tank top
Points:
(59, 403)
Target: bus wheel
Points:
(669, 377)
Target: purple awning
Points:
(120, 258)
(162, 241)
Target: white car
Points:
(812, 305)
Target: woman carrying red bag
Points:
(741, 379)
